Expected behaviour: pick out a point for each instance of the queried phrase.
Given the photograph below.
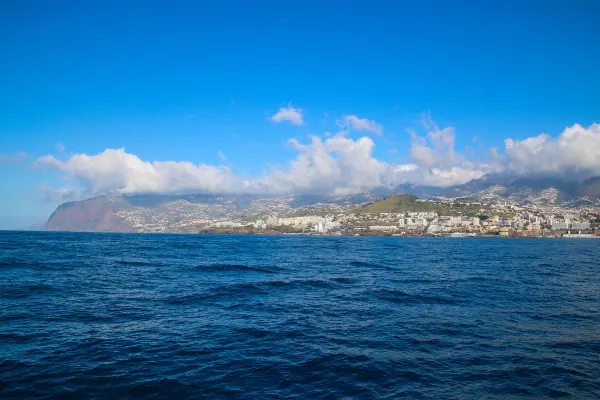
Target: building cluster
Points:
(494, 220)
(478, 217)
(307, 224)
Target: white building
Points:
(433, 228)
(383, 228)
(423, 214)
(259, 224)
(332, 225)
(304, 221)
(272, 220)
(580, 225)
(228, 224)
(558, 225)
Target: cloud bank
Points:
(336, 165)
(575, 153)
(116, 171)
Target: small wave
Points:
(366, 264)
(13, 317)
(398, 296)
(299, 283)
(17, 264)
(247, 289)
(16, 338)
(344, 279)
(146, 248)
(139, 263)
(220, 291)
(478, 278)
(233, 268)
(254, 332)
(25, 290)
(11, 365)
(415, 280)
(589, 346)
(559, 370)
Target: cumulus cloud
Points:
(340, 165)
(575, 153)
(360, 124)
(289, 113)
(116, 171)
(436, 161)
(222, 155)
(336, 165)
(333, 164)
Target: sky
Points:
(287, 97)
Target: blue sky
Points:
(183, 80)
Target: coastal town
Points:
(423, 217)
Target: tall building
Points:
(580, 225)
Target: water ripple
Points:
(119, 316)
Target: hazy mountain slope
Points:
(528, 190)
(590, 188)
(185, 213)
(97, 215)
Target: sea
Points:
(154, 316)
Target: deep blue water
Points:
(202, 316)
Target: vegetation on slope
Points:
(401, 203)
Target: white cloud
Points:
(222, 155)
(289, 113)
(438, 163)
(60, 147)
(360, 124)
(116, 171)
(575, 153)
(334, 164)
(341, 165)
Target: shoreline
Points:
(230, 233)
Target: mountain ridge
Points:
(152, 212)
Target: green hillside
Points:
(408, 203)
(402, 203)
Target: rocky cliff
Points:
(92, 215)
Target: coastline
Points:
(308, 234)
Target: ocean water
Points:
(110, 316)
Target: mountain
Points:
(187, 213)
(541, 190)
(590, 188)
(98, 214)
(476, 185)
(184, 213)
